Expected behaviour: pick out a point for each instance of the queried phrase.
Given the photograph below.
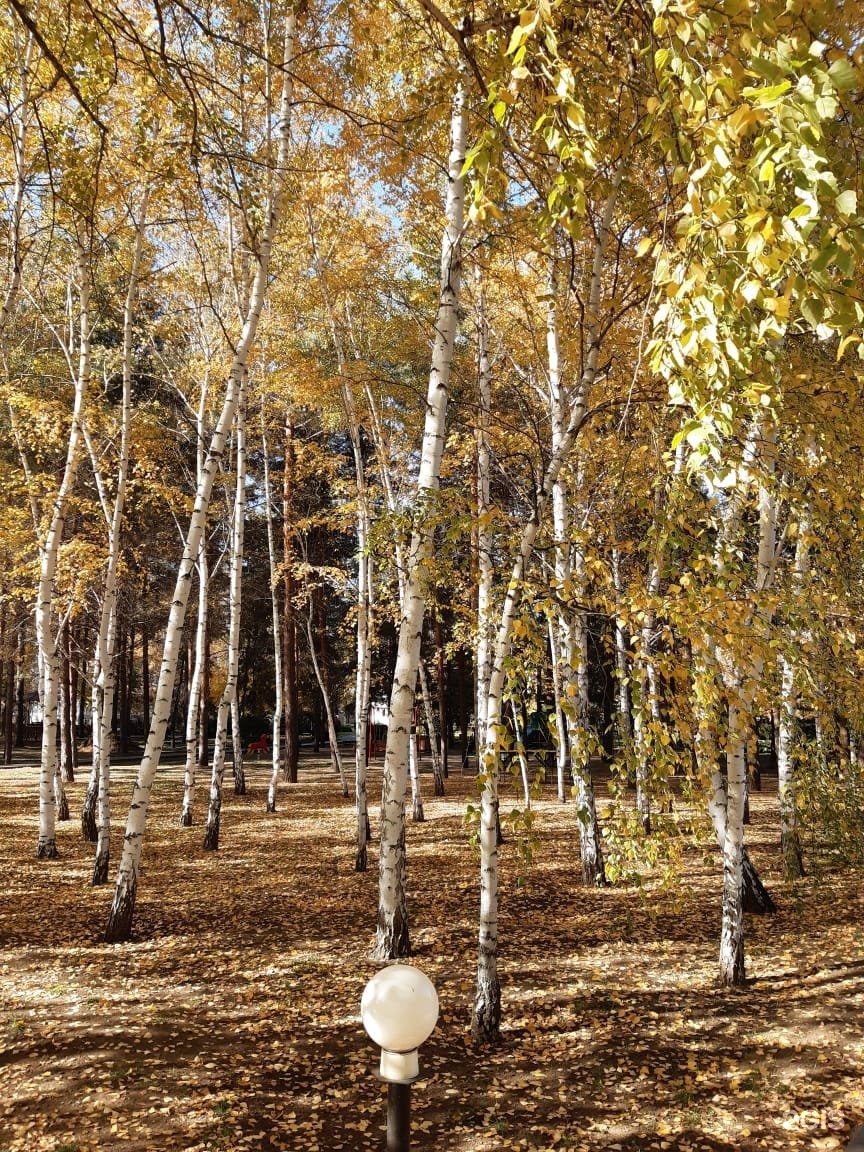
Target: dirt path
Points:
(231, 1021)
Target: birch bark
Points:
(103, 661)
(740, 681)
(196, 684)
(392, 936)
(49, 551)
(122, 909)
(487, 1000)
(573, 624)
(486, 1018)
(229, 692)
(289, 630)
(432, 728)
(277, 630)
(790, 840)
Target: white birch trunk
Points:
(229, 692)
(103, 687)
(49, 552)
(197, 674)
(104, 694)
(122, 909)
(732, 928)
(740, 681)
(485, 570)
(790, 840)
(560, 649)
(561, 750)
(392, 936)
(91, 794)
(487, 1000)
(277, 626)
(622, 662)
(196, 681)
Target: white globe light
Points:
(399, 1007)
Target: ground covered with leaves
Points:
(231, 1021)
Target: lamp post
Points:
(399, 1009)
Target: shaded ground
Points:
(231, 1021)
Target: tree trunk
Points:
(195, 714)
(417, 813)
(122, 910)
(49, 552)
(732, 927)
(392, 936)
(229, 693)
(443, 720)
(278, 711)
(237, 749)
(67, 764)
(292, 712)
(432, 729)
(9, 709)
(561, 750)
(487, 1001)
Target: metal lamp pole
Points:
(399, 1009)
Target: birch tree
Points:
(49, 551)
(229, 692)
(120, 918)
(103, 661)
(392, 935)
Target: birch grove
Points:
(597, 504)
(120, 919)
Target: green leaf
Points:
(847, 202)
(843, 75)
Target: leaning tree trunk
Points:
(122, 910)
(229, 693)
(392, 936)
